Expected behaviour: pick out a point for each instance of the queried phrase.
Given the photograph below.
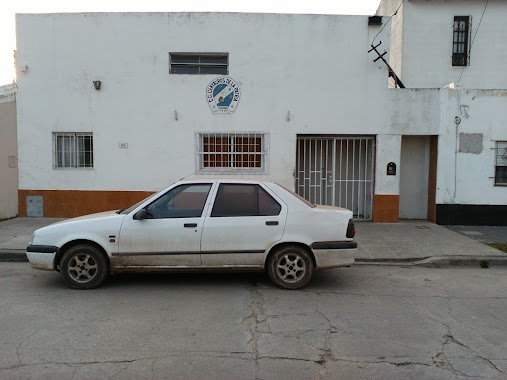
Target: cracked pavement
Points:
(364, 322)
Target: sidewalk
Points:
(407, 242)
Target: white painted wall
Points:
(295, 63)
(423, 58)
(8, 153)
(462, 178)
(315, 66)
(468, 178)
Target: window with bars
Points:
(199, 63)
(72, 150)
(501, 163)
(461, 41)
(234, 152)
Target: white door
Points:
(170, 235)
(414, 173)
(243, 222)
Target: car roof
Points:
(222, 179)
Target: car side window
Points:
(244, 200)
(184, 201)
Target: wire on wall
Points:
(387, 22)
(473, 39)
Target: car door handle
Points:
(271, 223)
(190, 225)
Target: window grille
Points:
(199, 63)
(461, 41)
(72, 150)
(234, 152)
(501, 163)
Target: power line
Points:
(387, 22)
(473, 39)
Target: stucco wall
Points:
(8, 153)
(314, 66)
(465, 177)
(427, 44)
(468, 178)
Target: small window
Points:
(199, 63)
(501, 163)
(461, 41)
(244, 200)
(184, 201)
(232, 152)
(72, 150)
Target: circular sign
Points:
(223, 95)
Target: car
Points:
(206, 225)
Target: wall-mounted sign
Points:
(223, 95)
(391, 168)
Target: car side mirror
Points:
(141, 214)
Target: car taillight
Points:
(351, 231)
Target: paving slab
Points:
(484, 234)
(413, 241)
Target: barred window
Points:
(461, 41)
(501, 163)
(72, 150)
(199, 63)
(235, 152)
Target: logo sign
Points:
(223, 95)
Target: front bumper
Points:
(41, 256)
(334, 254)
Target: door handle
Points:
(190, 225)
(271, 223)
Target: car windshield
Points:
(305, 201)
(125, 211)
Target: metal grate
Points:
(234, 152)
(337, 172)
(72, 150)
(501, 163)
(199, 63)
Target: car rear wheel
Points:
(83, 267)
(290, 267)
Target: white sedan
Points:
(201, 225)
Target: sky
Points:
(8, 9)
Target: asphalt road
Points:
(364, 322)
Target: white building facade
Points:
(112, 107)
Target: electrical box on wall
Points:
(34, 206)
(391, 168)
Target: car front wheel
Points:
(290, 267)
(83, 267)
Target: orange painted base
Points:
(386, 208)
(72, 203)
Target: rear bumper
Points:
(334, 254)
(41, 256)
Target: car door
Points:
(170, 233)
(244, 220)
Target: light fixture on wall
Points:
(97, 84)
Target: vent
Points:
(375, 20)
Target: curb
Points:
(19, 255)
(441, 261)
(13, 255)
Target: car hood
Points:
(331, 208)
(95, 227)
(104, 214)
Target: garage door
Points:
(337, 172)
